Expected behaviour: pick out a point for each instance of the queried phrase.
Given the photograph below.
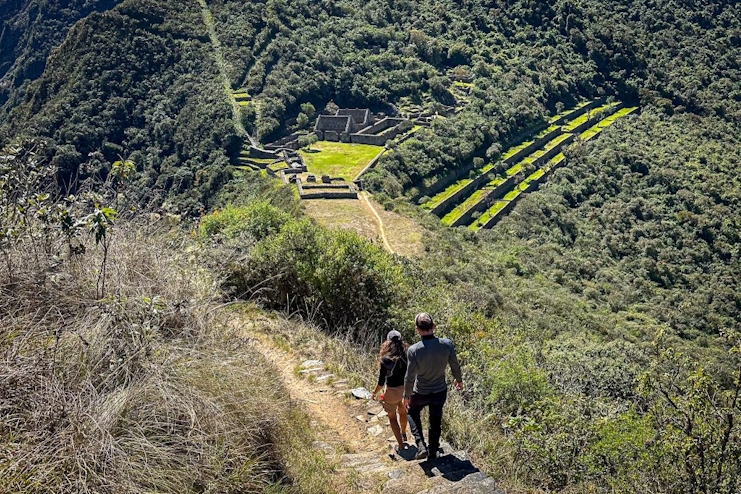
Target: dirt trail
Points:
(355, 432)
(381, 228)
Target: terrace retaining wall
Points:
(576, 113)
(499, 214)
(593, 120)
(255, 152)
(536, 144)
(483, 204)
(448, 204)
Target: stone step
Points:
(364, 463)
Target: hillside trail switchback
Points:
(354, 433)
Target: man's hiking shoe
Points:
(421, 453)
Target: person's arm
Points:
(455, 368)
(381, 380)
(410, 375)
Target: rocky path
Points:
(355, 433)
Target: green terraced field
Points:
(487, 215)
(440, 197)
(583, 118)
(534, 176)
(464, 206)
(604, 123)
(512, 194)
(567, 112)
(512, 151)
(538, 174)
(515, 169)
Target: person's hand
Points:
(406, 403)
(458, 385)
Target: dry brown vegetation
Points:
(144, 390)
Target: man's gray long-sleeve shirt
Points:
(427, 360)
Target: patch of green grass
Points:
(512, 194)
(583, 118)
(449, 218)
(513, 170)
(567, 112)
(514, 150)
(439, 198)
(338, 159)
(487, 215)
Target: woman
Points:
(393, 360)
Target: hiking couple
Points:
(415, 378)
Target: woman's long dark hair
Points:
(393, 349)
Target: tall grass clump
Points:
(131, 383)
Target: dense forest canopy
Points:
(600, 318)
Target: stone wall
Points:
(533, 146)
(448, 204)
(381, 125)
(333, 122)
(258, 153)
(326, 191)
(483, 204)
(361, 116)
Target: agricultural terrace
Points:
(586, 116)
(596, 129)
(338, 159)
(477, 203)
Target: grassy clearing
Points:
(403, 234)
(338, 159)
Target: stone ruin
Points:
(356, 125)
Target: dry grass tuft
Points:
(144, 390)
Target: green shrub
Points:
(258, 219)
(335, 278)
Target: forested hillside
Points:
(597, 323)
(30, 30)
(139, 82)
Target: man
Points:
(424, 383)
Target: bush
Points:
(335, 278)
(257, 220)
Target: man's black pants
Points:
(416, 403)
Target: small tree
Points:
(307, 140)
(302, 120)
